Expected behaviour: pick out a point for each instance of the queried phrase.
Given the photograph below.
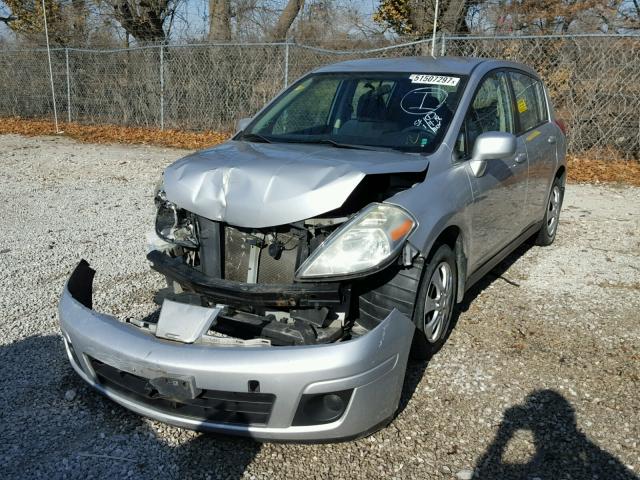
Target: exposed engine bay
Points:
(255, 277)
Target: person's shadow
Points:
(562, 451)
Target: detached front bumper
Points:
(121, 360)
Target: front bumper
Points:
(372, 365)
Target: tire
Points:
(547, 233)
(435, 303)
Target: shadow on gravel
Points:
(495, 274)
(49, 432)
(415, 368)
(562, 451)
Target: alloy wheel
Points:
(553, 211)
(438, 303)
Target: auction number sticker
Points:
(434, 79)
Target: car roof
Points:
(451, 65)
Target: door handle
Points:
(521, 157)
(551, 139)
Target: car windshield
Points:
(403, 111)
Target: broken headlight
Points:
(174, 224)
(365, 243)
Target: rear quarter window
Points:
(530, 101)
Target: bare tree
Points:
(143, 19)
(630, 15)
(559, 16)
(219, 20)
(286, 19)
(66, 21)
(415, 17)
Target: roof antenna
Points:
(53, 92)
(435, 26)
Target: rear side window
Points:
(530, 101)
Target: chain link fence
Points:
(594, 81)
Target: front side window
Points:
(490, 111)
(403, 111)
(530, 101)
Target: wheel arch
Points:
(453, 236)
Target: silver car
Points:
(307, 257)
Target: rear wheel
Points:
(549, 228)
(434, 303)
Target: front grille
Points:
(237, 408)
(237, 248)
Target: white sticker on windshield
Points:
(434, 79)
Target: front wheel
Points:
(434, 303)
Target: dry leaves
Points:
(589, 170)
(583, 170)
(114, 133)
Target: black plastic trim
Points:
(304, 418)
(239, 408)
(80, 284)
(243, 294)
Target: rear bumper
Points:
(373, 366)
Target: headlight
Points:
(372, 238)
(173, 224)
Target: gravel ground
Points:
(539, 379)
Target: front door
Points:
(498, 208)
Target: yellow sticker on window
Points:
(522, 105)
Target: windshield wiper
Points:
(255, 137)
(333, 143)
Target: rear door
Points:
(540, 136)
(500, 193)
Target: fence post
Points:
(66, 57)
(286, 63)
(161, 87)
(443, 48)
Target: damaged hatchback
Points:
(306, 257)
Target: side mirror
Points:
(242, 124)
(491, 146)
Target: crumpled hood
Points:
(263, 185)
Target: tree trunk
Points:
(454, 16)
(287, 17)
(420, 17)
(79, 22)
(219, 20)
(144, 21)
(451, 17)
